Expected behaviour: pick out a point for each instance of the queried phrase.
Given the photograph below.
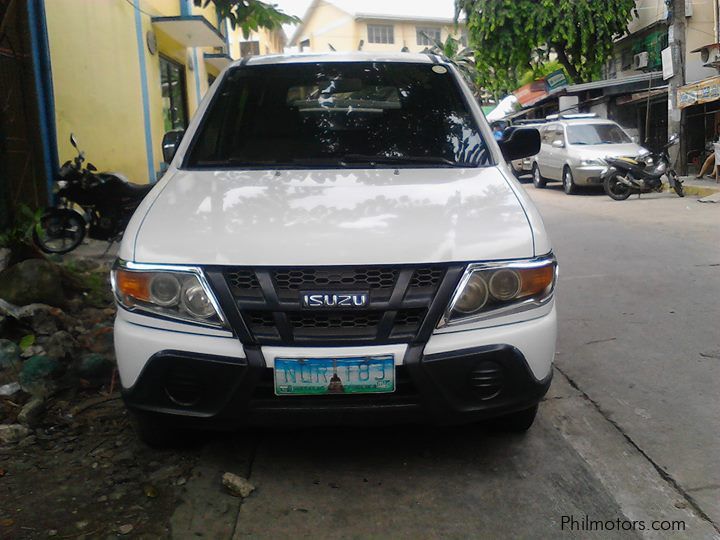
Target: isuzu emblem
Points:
(334, 300)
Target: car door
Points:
(559, 153)
(549, 164)
(544, 154)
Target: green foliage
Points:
(19, 232)
(539, 71)
(250, 15)
(26, 342)
(461, 56)
(511, 36)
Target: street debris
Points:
(12, 433)
(237, 485)
(66, 441)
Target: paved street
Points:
(629, 431)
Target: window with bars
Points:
(380, 33)
(427, 35)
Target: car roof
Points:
(574, 121)
(306, 58)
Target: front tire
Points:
(677, 185)
(615, 189)
(517, 422)
(59, 231)
(538, 180)
(569, 186)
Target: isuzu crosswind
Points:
(337, 240)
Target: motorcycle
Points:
(642, 174)
(87, 201)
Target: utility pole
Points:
(676, 42)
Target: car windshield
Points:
(354, 114)
(596, 134)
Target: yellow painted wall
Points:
(329, 25)
(270, 42)
(97, 81)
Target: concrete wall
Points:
(700, 31)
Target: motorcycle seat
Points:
(137, 189)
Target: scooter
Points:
(642, 174)
(100, 204)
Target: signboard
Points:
(668, 69)
(556, 79)
(531, 93)
(704, 91)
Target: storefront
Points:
(700, 103)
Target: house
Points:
(124, 72)
(375, 26)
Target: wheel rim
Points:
(567, 182)
(57, 233)
(617, 187)
(536, 174)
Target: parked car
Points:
(573, 150)
(336, 240)
(524, 167)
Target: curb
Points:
(697, 191)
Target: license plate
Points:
(314, 376)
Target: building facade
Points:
(124, 72)
(634, 91)
(375, 26)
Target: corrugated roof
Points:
(595, 85)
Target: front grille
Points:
(400, 298)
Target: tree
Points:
(453, 50)
(512, 36)
(250, 15)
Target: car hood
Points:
(600, 151)
(332, 217)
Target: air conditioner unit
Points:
(640, 60)
(710, 55)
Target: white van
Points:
(337, 240)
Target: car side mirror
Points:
(635, 139)
(170, 142)
(518, 143)
(558, 144)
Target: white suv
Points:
(337, 240)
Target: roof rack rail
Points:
(571, 116)
(529, 121)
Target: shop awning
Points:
(218, 60)
(703, 91)
(637, 97)
(190, 30)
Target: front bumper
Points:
(590, 175)
(214, 382)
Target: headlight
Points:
(591, 162)
(494, 289)
(173, 292)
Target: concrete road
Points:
(628, 433)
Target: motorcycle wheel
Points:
(677, 186)
(615, 189)
(59, 231)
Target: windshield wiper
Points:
(397, 160)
